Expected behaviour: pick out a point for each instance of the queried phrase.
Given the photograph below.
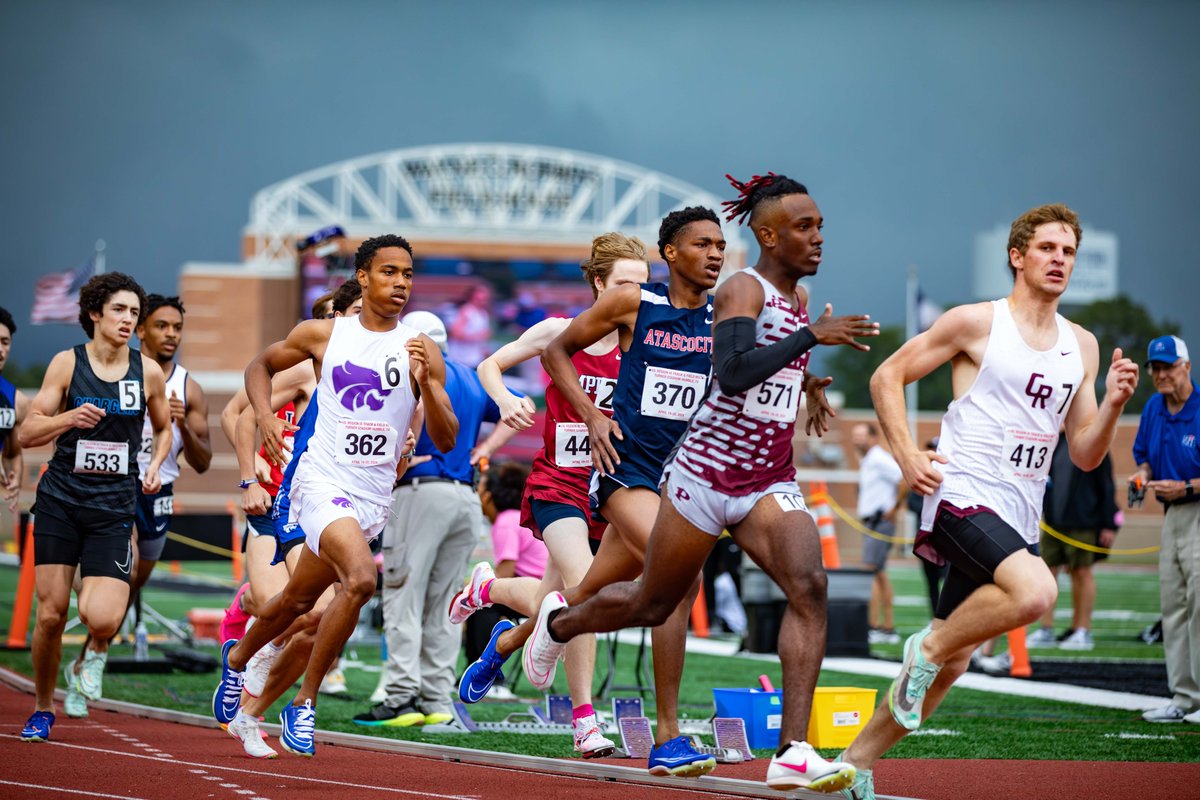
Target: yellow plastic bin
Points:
(838, 714)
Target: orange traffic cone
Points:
(1021, 668)
(819, 496)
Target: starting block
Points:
(532, 721)
(623, 707)
(636, 739)
(559, 710)
(730, 734)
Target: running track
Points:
(116, 753)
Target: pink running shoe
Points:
(469, 599)
(233, 624)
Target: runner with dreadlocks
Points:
(665, 335)
(733, 469)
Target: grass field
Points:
(970, 724)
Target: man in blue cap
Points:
(1169, 465)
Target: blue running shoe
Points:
(228, 695)
(679, 757)
(478, 678)
(298, 723)
(37, 729)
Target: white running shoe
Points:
(801, 768)
(245, 729)
(1167, 713)
(996, 665)
(334, 682)
(1080, 639)
(468, 599)
(1042, 637)
(91, 674)
(589, 742)
(258, 668)
(380, 694)
(542, 652)
(75, 705)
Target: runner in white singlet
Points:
(1020, 373)
(372, 371)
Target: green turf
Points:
(983, 724)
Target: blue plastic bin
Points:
(762, 711)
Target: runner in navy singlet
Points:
(14, 406)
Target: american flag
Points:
(56, 296)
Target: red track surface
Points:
(112, 755)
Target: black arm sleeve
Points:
(738, 364)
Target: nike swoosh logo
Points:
(708, 321)
(673, 760)
(1065, 354)
(475, 697)
(124, 567)
(802, 768)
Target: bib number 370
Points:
(672, 393)
(365, 443)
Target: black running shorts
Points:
(99, 541)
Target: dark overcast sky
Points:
(915, 125)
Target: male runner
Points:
(92, 401)
(734, 470)
(14, 407)
(1021, 373)
(666, 343)
(372, 371)
(555, 502)
(159, 331)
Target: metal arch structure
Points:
(504, 193)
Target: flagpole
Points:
(911, 321)
(98, 258)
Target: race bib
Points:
(164, 506)
(101, 458)
(777, 399)
(8, 418)
(365, 443)
(1027, 454)
(605, 389)
(672, 393)
(129, 393)
(392, 370)
(572, 447)
(147, 448)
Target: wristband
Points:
(1190, 491)
(246, 484)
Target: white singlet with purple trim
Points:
(742, 444)
(1000, 435)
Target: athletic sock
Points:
(485, 592)
(584, 710)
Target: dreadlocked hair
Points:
(755, 191)
(675, 221)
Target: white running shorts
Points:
(713, 512)
(315, 505)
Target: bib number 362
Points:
(101, 458)
(365, 443)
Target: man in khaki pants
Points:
(1168, 461)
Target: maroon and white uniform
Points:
(563, 467)
(738, 448)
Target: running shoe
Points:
(589, 742)
(469, 599)
(436, 717)
(799, 767)
(76, 704)
(1193, 718)
(233, 624)
(258, 669)
(679, 757)
(37, 729)
(1080, 639)
(882, 636)
(542, 652)
(299, 724)
(863, 787)
(996, 666)
(1167, 713)
(91, 674)
(245, 729)
(404, 716)
(907, 693)
(1042, 637)
(479, 677)
(334, 682)
(227, 697)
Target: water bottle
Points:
(141, 648)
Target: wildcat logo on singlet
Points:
(358, 386)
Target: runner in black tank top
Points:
(92, 401)
(13, 408)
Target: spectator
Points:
(1080, 505)
(472, 327)
(881, 493)
(1169, 465)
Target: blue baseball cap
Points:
(316, 237)
(1167, 350)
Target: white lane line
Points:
(272, 775)
(89, 792)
